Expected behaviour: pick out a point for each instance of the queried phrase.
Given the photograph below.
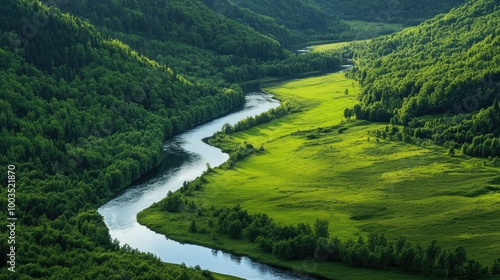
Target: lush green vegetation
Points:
(342, 173)
(407, 12)
(297, 21)
(288, 22)
(447, 66)
(331, 47)
(82, 116)
(88, 97)
(196, 42)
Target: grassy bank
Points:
(318, 165)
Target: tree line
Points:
(313, 242)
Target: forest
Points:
(312, 20)
(419, 72)
(90, 90)
(410, 12)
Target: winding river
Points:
(188, 157)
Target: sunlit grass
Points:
(359, 183)
(333, 46)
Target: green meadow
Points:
(317, 164)
(333, 46)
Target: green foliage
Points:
(428, 62)
(196, 41)
(408, 12)
(173, 202)
(300, 242)
(289, 22)
(448, 66)
(309, 20)
(82, 116)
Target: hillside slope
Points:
(81, 117)
(196, 41)
(408, 12)
(447, 66)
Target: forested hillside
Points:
(263, 23)
(289, 22)
(81, 117)
(408, 12)
(298, 21)
(449, 66)
(193, 40)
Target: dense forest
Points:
(195, 41)
(299, 21)
(289, 22)
(82, 117)
(447, 67)
(407, 12)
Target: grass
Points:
(360, 184)
(333, 46)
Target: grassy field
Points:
(333, 46)
(358, 183)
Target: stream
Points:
(187, 158)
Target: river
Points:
(187, 157)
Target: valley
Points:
(388, 169)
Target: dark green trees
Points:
(447, 67)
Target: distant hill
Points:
(297, 21)
(196, 41)
(408, 12)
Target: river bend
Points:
(188, 157)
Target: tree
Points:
(321, 229)
(431, 254)
(192, 227)
(451, 151)
(235, 229)
(495, 268)
(348, 113)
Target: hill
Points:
(82, 116)
(447, 67)
(195, 41)
(297, 21)
(408, 12)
